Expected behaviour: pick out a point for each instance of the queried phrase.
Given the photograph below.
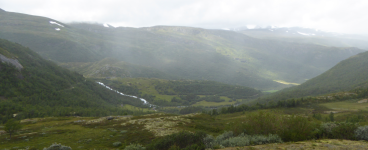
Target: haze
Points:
(341, 16)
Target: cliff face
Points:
(14, 62)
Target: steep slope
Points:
(33, 87)
(349, 74)
(111, 68)
(185, 52)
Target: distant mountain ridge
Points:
(349, 74)
(185, 52)
(306, 35)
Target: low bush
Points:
(245, 140)
(183, 140)
(361, 133)
(116, 144)
(134, 147)
(338, 130)
(227, 139)
(289, 128)
(56, 146)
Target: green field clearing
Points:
(133, 108)
(350, 105)
(147, 86)
(205, 103)
(271, 91)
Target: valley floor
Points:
(103, 132)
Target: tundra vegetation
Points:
(312, 125)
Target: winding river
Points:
(132, 96)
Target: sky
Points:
(342, 16)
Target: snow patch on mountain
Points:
(57, 29)
(306, 34)
(53, 22)
(106, 25)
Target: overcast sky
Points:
(343, 16)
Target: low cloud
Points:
(344, 16)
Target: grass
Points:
(146, 86)
(81, 133)
(205, 103)
(76, 135)
(271, 91)
(350, 105)
(43, 132)
(133, 108)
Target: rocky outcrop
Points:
(14, 62)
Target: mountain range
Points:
(173, 52)
(306, 35)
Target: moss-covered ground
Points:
(101, 133)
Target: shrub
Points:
(225, 135)
(12, 126)
(245, 140)
(361, 133)
(209, 141)
(228, 140)
(183, 140)
(117, 144)
(342, 130)
(296, 128)
(134, 147)
(289, 128)
(56, 146)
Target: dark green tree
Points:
(332, 117)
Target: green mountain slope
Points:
(111, 68)
(184, 52)
(33, 87)
(349, 74)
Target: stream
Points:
(132, 96)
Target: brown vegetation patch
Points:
(34, 120)
(160, 125)
(2, 132)
(334, 112)
(363, 101)
(115, 118)
(309, 145)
